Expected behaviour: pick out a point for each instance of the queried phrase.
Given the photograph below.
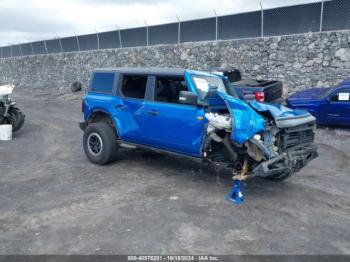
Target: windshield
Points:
(204, 83)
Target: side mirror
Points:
(188, 98)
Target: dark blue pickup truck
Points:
(330, 106)
(270, 91)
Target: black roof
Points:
(144, 70)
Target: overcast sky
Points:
(29, 20)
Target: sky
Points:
(32, 20)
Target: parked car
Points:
(193, 114)
(270, 91)
(330, 106)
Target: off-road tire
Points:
(16, 119)
(102, 133)
(76, 86)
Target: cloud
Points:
(23, 20)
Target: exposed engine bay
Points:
(274, 152)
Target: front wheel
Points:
(16, 119)
(100, 143)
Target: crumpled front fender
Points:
(284, 116)
(245, 121)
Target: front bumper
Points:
(291, 161)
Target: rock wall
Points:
(300, 61)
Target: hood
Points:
(345, 82)
(308, 94)
(284, 116)
(245, 121)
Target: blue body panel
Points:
(318, 102)
(245, 121)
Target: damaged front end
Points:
(256, 139)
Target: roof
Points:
(144, 70)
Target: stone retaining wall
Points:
(300, 61)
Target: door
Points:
(337, 109)
(128, 110)
(170, 125)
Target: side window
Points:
(342, 96)
(102, 82)
(167, 89)
(134, 86)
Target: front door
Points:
(170, 125)
(337, 110)
(128, 110)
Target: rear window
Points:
(102, 82)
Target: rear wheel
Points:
(16, 119)
(100, 143)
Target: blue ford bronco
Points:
(193, 114)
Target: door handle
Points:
(153, 113)
(120, 107)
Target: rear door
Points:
(337, 110)
(128, 108)
(167, 123)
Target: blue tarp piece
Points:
(245, 121)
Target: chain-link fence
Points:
(315, 17)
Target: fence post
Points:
(262, 20)
(20, 48)
(216, 24)
(98, 40)
(146, 32)
(321, 16)
(120, 37)
(77, 41)
(46, 47)
(1, 51)
(59, 41)
(31, 47)
(11, 50)
(178, 30)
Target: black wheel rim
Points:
(94, 144)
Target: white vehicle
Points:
(9, 113)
